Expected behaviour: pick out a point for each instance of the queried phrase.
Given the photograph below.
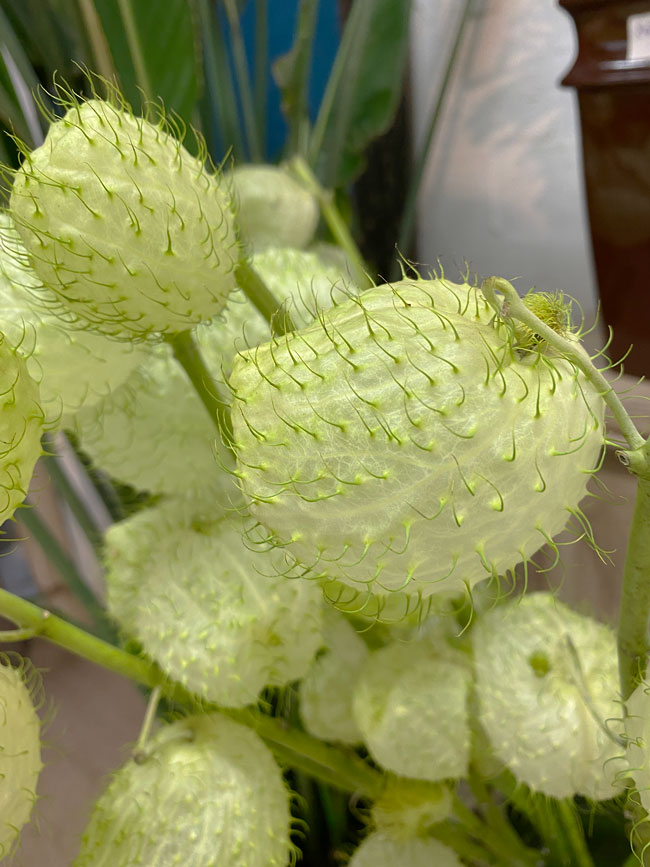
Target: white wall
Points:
(503, 184)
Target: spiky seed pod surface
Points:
(379, 850)
(327, 689)
(400, 443)
(208, 794)
(73, 368)
(547, 684)
(205, 608)
(637, 731)
(411, 707)
(21, 428)
(130, 230)
(273, 209)
(143, 431)
(20, 752)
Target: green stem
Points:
(63, 487)
(140, 750)
(334, 220)
(568, 825)
(571, 350)
(494, 817)
(494, 839)
(135, 47)
(258, 293)
(66, 568)
(243, 81)
(329, 764)
(101, 51)
(635, 596)
(7, 635)
(457, 838)
(188, 355)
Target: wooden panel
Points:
(614, 100)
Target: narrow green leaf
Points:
(154, 50)
(291, 74)
(220, 88)
(363, 92)
(261, 67)
(243, 81)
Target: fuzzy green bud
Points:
(411, 707)
(380, 850)
(130, 231)
(73, 367)
(20, 750)
(21, 428)
(400, 443)
(547, 685)
(326, 696)
(206, 793)
(273, 209)
(206, 609)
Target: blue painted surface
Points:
(282, 24)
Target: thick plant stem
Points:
(337, 225)
(633, 643)
(188, 355)
(571, 350)
(258, 293)
(329, 764)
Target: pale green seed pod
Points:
(21, 428)
(206, 609)
(131, 232)
(273, 209)
(20, 750)
(379, 850)
(207, 794)
(142, 432)
(328, 687)
(401, 443)
(547, 684)
(154, 433)
(411, 707)
(72, 367)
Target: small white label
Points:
(638, 37)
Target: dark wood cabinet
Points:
(611, 75)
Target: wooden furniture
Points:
(611, 75)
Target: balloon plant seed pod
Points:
(273, 209)
(410, 704)
(20, 748)
(206, 793)
(327, 689)
(380, 850)
(548, 693)
(404, 444)
(73, 368)
(21, 428)
(134, 234)
(206, 609)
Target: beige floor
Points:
(99, 713)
